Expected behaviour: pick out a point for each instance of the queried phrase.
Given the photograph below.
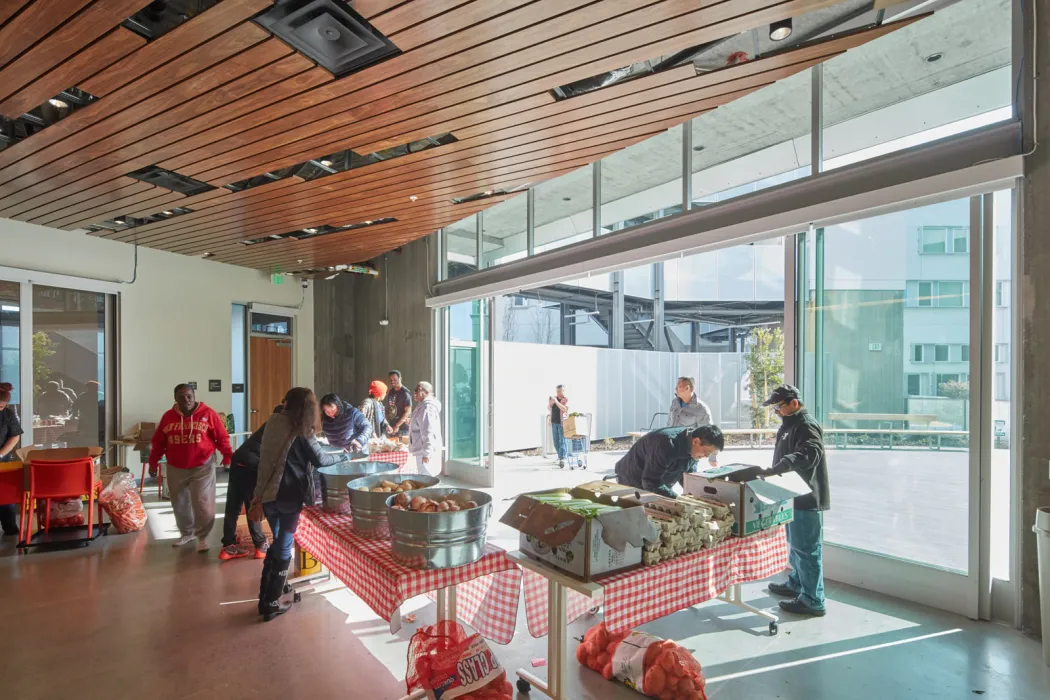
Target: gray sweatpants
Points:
(193, 498)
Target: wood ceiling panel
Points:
(9, 8)
(34, 23)
(133, 102)
(218, 99)
(83, 29)
(109, 49)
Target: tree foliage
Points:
(43, 348)
(765, 369)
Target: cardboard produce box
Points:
(757, 503)
(583, 548)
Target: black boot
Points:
(264, 583)
(272, 605)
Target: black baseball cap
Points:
(782, 394)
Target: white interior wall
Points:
(175, 319)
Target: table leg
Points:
(733, 596)
(557, 636)
(450, 602)
(442, 607)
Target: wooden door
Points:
(269, 377)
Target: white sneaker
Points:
(183, 541)
(202, 546)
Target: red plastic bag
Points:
(447, 663)
(656, 667)
(65, 512)
(122, 503)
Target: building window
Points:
(964, 353)
(1002, 387)
(950, 294)
(944, 240)
(944, 294)
(925, 294)
(940, 353)
(1002, 293)
(916, 353)
(915, 383)
(1001, 352)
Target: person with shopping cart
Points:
(660, 458)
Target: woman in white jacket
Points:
(424, 430)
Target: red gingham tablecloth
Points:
(635, 597)
(400, 458)
(487, 591)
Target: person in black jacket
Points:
(659, 459)
(244, 472)
(800, 449)
(287, 459)
(344, 425)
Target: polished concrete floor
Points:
(130, 617)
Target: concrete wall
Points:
(175, 319)
(352, 348)
(1035, 337)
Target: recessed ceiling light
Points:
(326, 163)
(488, 193)
(934, 57)
(166, 213)
(300, 262)
(206, 255)
(566, 199)
(60, 104)
(698, 148)
(412, 197)
(368, 223)
(778, 31)
(310, 230)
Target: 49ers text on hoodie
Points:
(190, 441)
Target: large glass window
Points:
(461, 246)
(503, 231)
(564, 209)
(752, 143)
(643, 182)
(1003, 428)
(897, 430)
(942, 75)
(10, 317)
(467, 349)
(69, 367)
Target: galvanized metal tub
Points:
(336, 477)
(369, 507)
(440, 540)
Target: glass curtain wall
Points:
(69, 367)
(10, 335)
(946, 74)
(1002, 368)
(467, 376)
(461, 247)
(643, 182)
(503, 231)
(564, 210)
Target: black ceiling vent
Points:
(480, 195)
(329, 32)
(170, 180)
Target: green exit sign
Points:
(277, 278)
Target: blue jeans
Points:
(284, 521)
(558, 433)
(805, 535)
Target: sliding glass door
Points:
(469, 391)
(895, 343)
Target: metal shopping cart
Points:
(577, 448)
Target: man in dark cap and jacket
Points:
(660, 457)
(800, 449)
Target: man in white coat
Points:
(424, 430)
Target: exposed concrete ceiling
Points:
(973, 37)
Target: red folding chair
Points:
(61, 479)
(12, 489)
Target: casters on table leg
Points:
(523, 686)
(773, 629)
(298, 597)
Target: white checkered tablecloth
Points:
(400, 458)
(487, 591)
(642, 595)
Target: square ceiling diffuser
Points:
(329, 32)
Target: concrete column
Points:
(616, 322)
(1034, 318)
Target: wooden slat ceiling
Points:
(220, 100)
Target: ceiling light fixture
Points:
(326, 163)
(60, 104)
(778, 31)
(698, 148)
(934, 57)
(166, 213)
(385, 321)
(368, 223)
(566, 199)
(412, 197)
(310, 230)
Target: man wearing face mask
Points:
(659, 459)
(800, 449)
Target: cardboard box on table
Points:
(582, 548)
(757, 503)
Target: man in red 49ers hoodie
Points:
(190, 434)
